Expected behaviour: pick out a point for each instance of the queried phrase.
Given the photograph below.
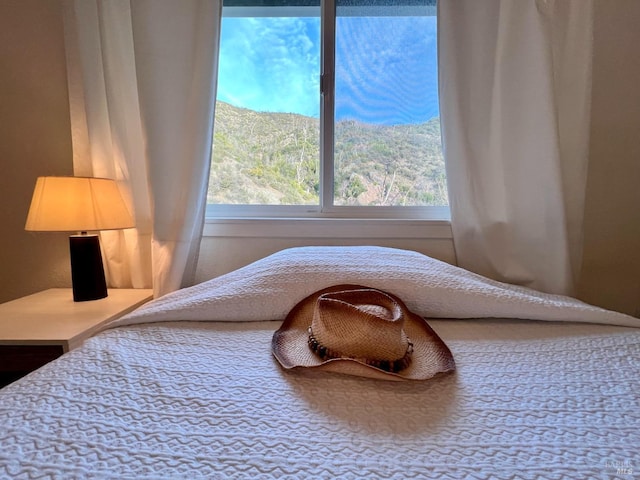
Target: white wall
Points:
(611, 261)
(230, 245)
(35, 140)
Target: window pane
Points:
(266, 133)
(387, 147)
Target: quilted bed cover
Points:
(186, 387)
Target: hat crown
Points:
(364, 323)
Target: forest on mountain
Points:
(273, 159)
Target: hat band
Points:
(393, 366)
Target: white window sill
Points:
(327, 228)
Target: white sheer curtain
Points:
(142, 81)
(515, 85)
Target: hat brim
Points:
(290, 345)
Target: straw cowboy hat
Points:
(360, 331)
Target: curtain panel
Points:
(515, 90)
(142, 82)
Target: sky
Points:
(386, 67)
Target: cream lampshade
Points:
(80, 204)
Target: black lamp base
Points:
(87, 271)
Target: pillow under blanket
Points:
(270, 287)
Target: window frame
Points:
(325, 209)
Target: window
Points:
(328, 109)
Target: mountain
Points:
(273, 158)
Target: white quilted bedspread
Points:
(530, 400)
(269, 288)
(158, 396)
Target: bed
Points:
(187, 387)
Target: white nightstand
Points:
(39, 328)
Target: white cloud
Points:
(386, 69)
(270, 64)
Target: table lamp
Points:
(80, 204)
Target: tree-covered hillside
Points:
(272, 158)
